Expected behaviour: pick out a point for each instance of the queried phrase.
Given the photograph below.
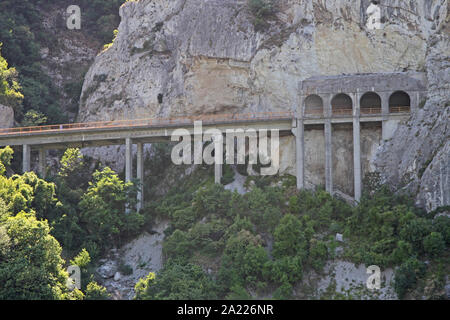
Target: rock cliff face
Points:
(188, 57)
(6, 117)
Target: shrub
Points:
(406, 276)
(243, 261)
(177, 245)
(415, 231)
(177, 282)
(434, 244)
(94, 291)
(285, 270)
(261, 9)
(289, 240)
(441, 224)
(318, 254)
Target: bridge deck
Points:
(160, 129)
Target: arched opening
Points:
(370, 103)
(399, 102)
(342, 105)
(314, 105)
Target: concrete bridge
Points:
(324, 101)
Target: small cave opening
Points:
(160, 98)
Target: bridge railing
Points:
(215, 118)
(399, 109)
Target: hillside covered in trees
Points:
(46, 225)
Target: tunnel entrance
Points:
(342, 105)
(399, 102)
(370, 103)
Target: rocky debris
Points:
(142, 255)
(108, 269)
(345, 278)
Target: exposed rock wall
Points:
(6, 117)
(184, 57)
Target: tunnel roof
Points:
(364, 82)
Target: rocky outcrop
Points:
(189, 57)
(418, 156)
(6, 117)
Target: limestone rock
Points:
(192, 57)
(6, 117)
(107, 270)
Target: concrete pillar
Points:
(327, 109)
(300, 154)
(328, 158)
(415, 100)
(128, 166)
(26, 160)
(140, 175)
(384, 113)
(217, 173)
(42, 162)
(128, 160)
(357, 149)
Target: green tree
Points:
(10, 94)
(176, 282)
(31, 266)
(103, 209)
(94, 291)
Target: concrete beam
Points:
(26, 160)
(140, 175)
(300, 154)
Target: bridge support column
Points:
(300, 154)
(128, 165)
(42, 162)
(328, 158)
(140, 175)
(357, 150)
(26, 160)
(217, 173)
(384, 115)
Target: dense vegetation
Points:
(230, 235)
(220, 244)
(23, 36)
(33, 224)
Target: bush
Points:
(434, 244)
(261, 9)
(243, 261)
(406, 276)
(289, 240)
(318, 254)
(94, 291)
(177, 282)
(285, 270)
(415, 231)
